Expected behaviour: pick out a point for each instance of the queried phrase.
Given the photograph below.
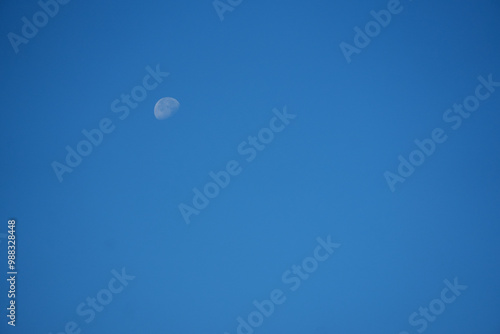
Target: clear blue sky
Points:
(323, 175)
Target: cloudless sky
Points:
(323, 175)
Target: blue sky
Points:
(323, 175)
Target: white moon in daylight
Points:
(166, 107)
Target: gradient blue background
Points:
(323, 175)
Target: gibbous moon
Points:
(166, 107)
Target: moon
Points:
(166, 107)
